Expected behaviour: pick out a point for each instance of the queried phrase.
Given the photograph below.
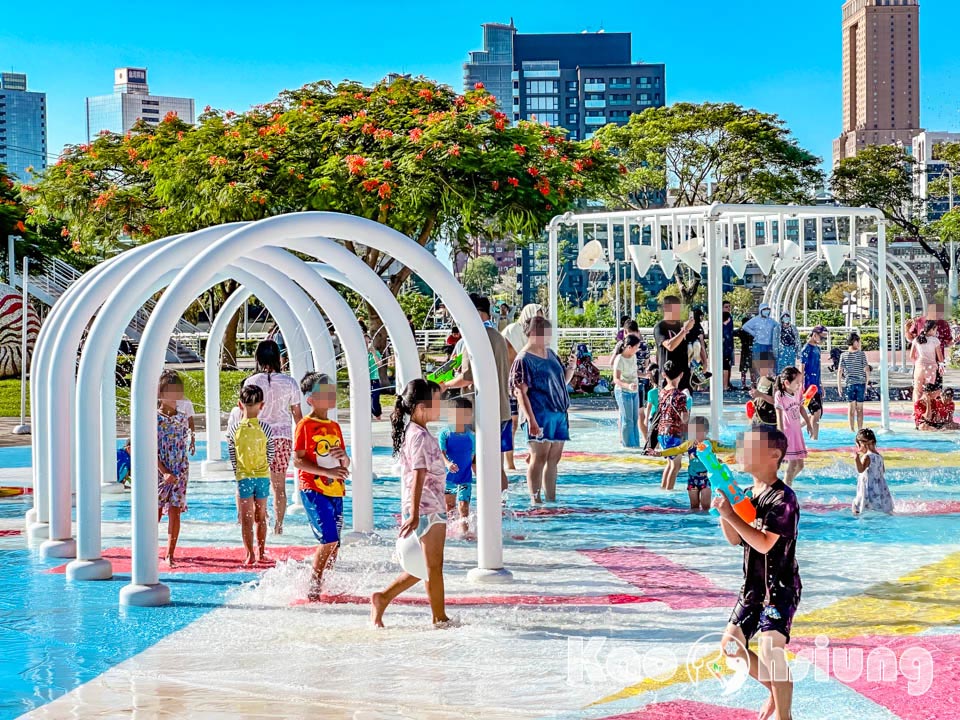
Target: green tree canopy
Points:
(38, 241)
(480, 275)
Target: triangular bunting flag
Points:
(690, 256)
(763, 256)
(642, 256)
(790, 257)
(738, 262)
(669, 262)
(835, 255)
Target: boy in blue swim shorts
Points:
(320, 457)
(250, 447)
(771, 583)
(458, 445)
(698, 483)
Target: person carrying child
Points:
(173, 462)
(251, 449)
(698, 482)
(320, 456)
(771, 585)
(788, 401)
(423, 506)
(672, 424)
(458, 445)
(872, 490)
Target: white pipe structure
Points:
(298, 232)
(96, 373)
(714, 226)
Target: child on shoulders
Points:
(458, 445)
(251, 449)
(321, 458)
(872, 490)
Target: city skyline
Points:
(744, 58)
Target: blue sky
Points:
(781, 57)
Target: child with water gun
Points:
(698, 481)
(771, 584)
(790, 414)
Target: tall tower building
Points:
(881, 75)
(132, 101)
(23, 127)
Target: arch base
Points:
(145, 595)
(486, 576)
(98, 569)
(59, 548)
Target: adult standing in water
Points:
(761, 329)
(672, 337)
(810, 366)
(786, 343)
(539, 380)
(281, 411)
(728, 348)
(516, 336)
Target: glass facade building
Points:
(131, 101)
(23, 127)
(493, 66)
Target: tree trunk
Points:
(689, 282)
(228, 360)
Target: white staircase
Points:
(51, 280)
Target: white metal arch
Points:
(96, 374)
(295, 232)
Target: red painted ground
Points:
(686, 710)
(10, 533)
(936, 701)
(463, 601)
(192, 559)
(662, 579)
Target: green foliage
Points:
(699, 297)
(609, 297)
(833, 298)
(37, 241)
(710, 152)
(594, 314)
(416, 306)
(480, 275)
(741, 301)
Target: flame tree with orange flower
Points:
(410, 153)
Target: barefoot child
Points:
(790, 413)
(423, 507)
(872, 490)
(771, 584)
(698, 483)
(853, 374)
(674, 415)
(458, 445)
(173, 463)
(251, 448)
(321, 458)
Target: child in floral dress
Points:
(173, 463)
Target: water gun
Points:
(446, 372)
(721, 481)
(751, 410)
(809, 395)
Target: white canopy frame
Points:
(709, 233)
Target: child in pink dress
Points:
(423, 478)
(790, 414)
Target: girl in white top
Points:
(872, 490)
(281, 411)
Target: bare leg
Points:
(794, 468)
(777, 672)
(323, 558)
(247, 512)
(733, 636)
(859, 417)
(279, 483)
(173, 533)
(816, 424)
(694, 495)
(852, 415)
(464, 508)
(705, 498)
(538, 459)
(511, 465)
(432, 543)
(380, 600)
(550, 471)
(260, 519)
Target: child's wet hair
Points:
(867, 436)
(311, 380)
(776, 440)
(251, 395)
(460, 403)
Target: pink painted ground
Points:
(10, 533)
(939, 700)
(192, 559)
(581, 600)
(686, 710)
(662, 579)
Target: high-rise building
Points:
(881, 75)
(577, 81)
(930, 167)
(131, 101)
(23, 126)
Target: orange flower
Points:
(416, 134)
(533, 171)
(75, 246)
(495, 184)
(519, 149)
(383, 134)
(577, 166)
(426, 94)
(179, 134)
(172, 115)
(595, 144)
(355, 163)
(368, 128)
(455, 151)
(233, 183)
(64, 232)
(370, 185)
(478, 86)
(384, 191)
(513, 181)
(387, 164)
(20, 226)
(623, 169)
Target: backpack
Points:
(250, 444)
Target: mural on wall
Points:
(11, 324)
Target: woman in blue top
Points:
(538, 379)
